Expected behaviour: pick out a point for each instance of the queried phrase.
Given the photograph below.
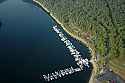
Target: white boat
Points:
(55, 29)
(71, 47)
(63, 38)
(85, 62)
(86, 59)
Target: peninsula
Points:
(100, 24)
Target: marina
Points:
(76, 54)
(30, 48)
(73, 51)
(60, 73)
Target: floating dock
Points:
(77, 57)
(76, 54)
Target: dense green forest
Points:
(100, 22)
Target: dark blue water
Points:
(29, 47)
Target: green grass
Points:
(117, 64)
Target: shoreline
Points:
(91, 80)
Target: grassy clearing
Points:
(118, 65)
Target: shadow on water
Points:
(0, 23)
(1, 1)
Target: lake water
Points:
(30, 48)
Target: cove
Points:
(29, 47)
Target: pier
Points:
(76, 54)
(60, 73)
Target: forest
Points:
(100, 22)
